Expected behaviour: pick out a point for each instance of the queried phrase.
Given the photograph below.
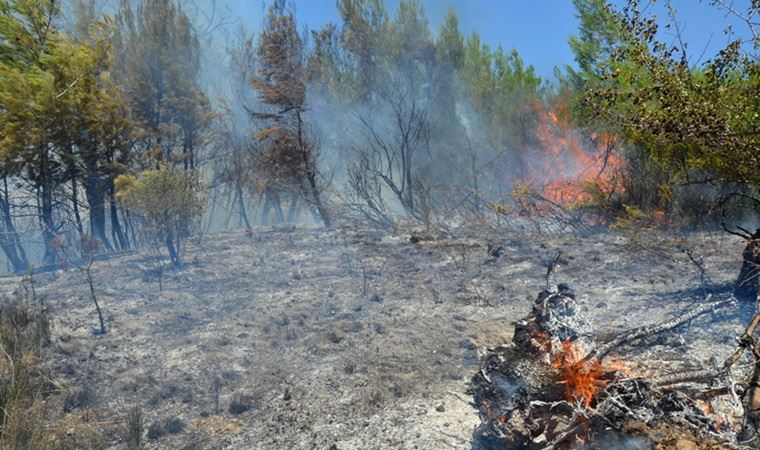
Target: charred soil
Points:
(305, 338)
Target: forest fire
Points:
(572, 166)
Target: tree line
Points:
(372, 118)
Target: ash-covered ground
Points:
(305, 338)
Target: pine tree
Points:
(290, 156)
(158, 60)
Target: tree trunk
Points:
(265, 208)
(93, 190)
(748, 284)
(279, 215)
(130, 228)
(9, 239)
(118, 234)
(293, 208)
(45, 198)
(750, 432)
(272, 200)
(173, 255)
(241, 206)
(409, 188)
(317, 197)
(9, 247)
(75, 204)
(311, 174)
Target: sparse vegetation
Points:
(89, 250)
(134, 428)
(24, 332)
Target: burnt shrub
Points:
(240, 403)
(79, 398)
(156, 430)
(174, 425)
(134, 428)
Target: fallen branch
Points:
(650, 330)
(689, 376)
(550, 285)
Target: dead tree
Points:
(90, 247)
(390, 156)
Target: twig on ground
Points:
(637, 333)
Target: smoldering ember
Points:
(358, 224)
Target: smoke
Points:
(613, 440)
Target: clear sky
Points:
(538, 29)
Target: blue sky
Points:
(538, 29)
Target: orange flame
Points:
(581, 379)
(569, 165)
(541, 342)
(707, 407)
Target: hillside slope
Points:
(302, 338)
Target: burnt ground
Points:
(274, 341)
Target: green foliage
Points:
(598, 36)
(63, 119)
(157, 61)
(450, 43)
(684, 125)
(503, 90)
(365, 23)
(169, 204)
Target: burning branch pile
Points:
(555, 386)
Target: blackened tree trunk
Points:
(119, 237)
(173, 251)
(272, 200)
(241, 205)
(293, 208)
(72, 173)
(93, 189)
(9, 239)
(45, 199)
(75, 205)
(748, 284)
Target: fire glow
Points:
(581, 379)
(570, 164)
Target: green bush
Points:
(168, 203)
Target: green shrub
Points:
(168, 203)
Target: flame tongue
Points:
(560, 333)
(581, 379)
(570, 163)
